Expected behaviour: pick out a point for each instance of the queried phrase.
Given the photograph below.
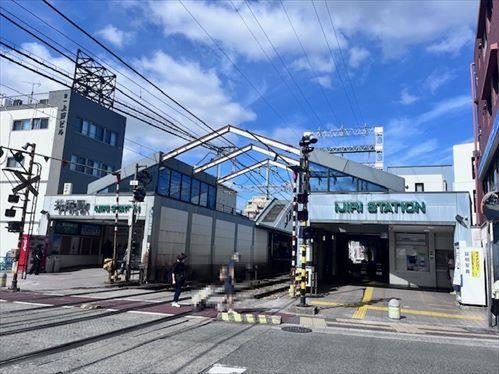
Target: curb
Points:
(261, 319)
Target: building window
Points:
(473, 167)
(179, 186)
(89, 167)
(203, 196)
(96, 132)
(164, 182)
(419, 187)
(195, 190)
(12, 163)
(212, 197)
(175, 185)
(186, 188)
(30, 124)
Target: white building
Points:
(464, 176)
(64, 126)
(431, 178)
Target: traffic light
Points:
(139, 194)
(10, 212)
(302, 215)
(13, 199)
(308, 233)
(14, 226)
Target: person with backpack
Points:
(178, 278)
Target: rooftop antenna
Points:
(33, 84)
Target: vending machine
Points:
(472, 269)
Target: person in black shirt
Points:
(36, 257)
(178, 278)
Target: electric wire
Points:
(121, 110)
(344, 63)
(128, 65)
(307, 58)
(284, 63)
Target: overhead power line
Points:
(307, 58)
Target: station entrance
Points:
(351, 253)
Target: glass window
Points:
(164, 182)
(203, 196)
(85, 127)
(99, 133)
(107, 137)
(196, 185)
(114, 139)
(79, 124)
(96, 171)
(40, 123)
(90, 167)
(26, 124)
(343, 184)
(80, 166)
(186, 188)
(102, 172)
(318, 178)
(176, 179)
(74, 160)
(18, 125)
(212, 195)
(419, 187)
(92, 130)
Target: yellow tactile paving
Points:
(360, 313)
(428, 313)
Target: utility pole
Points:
(304, 230)
(112, 270)
(27, 189)
(140, 180)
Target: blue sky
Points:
(404, 65)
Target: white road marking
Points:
(150, 313)
(223, 369)
(31, 303)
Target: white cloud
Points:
(406, 98)
(391, 25)
(115, 36)
(437, 79)
(453, 42)
(324, 81)
(198, 89)
(357, 56)
(402, 134)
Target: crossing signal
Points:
(10, 212)
(14, 226)
(13, 199)
(139, 194)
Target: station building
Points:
(371, 227)
(368, 225)
(183, 212)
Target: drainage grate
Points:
(298, 329)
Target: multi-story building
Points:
(485, 90)
(485, 93)
(64, 126)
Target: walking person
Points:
(178, 278)
(36, 257)
(228, 276)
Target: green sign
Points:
(112, 209)
(374, 207)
